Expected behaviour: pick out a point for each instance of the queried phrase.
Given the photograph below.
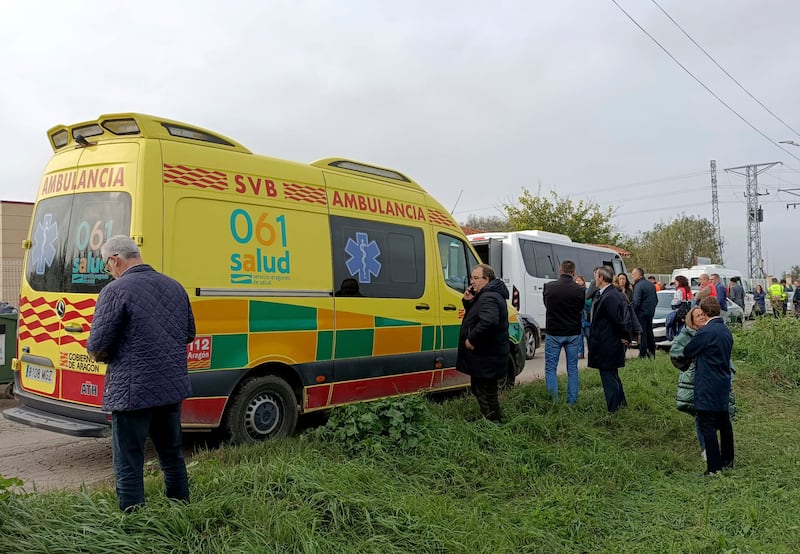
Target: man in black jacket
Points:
(483, 341)
(564, 301)
(644, 305)
(608, 340)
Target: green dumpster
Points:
(8, 346)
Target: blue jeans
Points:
(129, 430)
(584, 333)
(552, 352)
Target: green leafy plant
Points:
(372, 426)
(7, 484)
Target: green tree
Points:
(668, 246)
(487, 223)
(795, 272)
(581, 221)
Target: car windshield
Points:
(665, 299)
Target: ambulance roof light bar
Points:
(125, 126)
(60, 138)
(370, 169)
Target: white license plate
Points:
(41, 374)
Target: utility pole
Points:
(755, 215)
(715, 209)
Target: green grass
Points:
(421, 476)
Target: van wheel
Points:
(265, 408)
(529, 340)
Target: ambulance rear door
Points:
(81, 204)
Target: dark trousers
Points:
(129, 430)
(647, 342)
(485, 390)
(612, 388)
(719, 453)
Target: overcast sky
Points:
(477, 99)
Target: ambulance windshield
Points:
(66, 237)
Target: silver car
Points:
(663, 307)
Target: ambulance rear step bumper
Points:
(56, 423)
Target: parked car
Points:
(663, 307)
(735, 312)
(531, 335)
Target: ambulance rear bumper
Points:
(58, 417)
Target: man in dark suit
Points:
(644, 305)
(711, 347)
(564, 301)
(608, 338)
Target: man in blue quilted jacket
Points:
(142, 323)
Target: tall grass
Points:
(432, 476)
(771, 347)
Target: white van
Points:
(526, 260)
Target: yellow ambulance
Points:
(312, 285)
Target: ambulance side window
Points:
(376, 259)
(457, 261)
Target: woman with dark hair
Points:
(683, 292)
(760, 298)
(625, 286)
(681, 303)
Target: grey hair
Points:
(605, 273)
(122, 246)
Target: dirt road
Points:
(45, 460)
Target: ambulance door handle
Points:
(423, 307)
(73, 328)
(450, 307)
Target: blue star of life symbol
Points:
(363, 257)
(43, 252)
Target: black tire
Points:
(514, 366)
(264, 408)
(529, 340)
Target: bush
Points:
(771, 347)
(375, 426)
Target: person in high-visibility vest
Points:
(777, 296)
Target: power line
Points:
(615, 187)
(648, 182)
(701, 83)
(659, 209)
(710, 57)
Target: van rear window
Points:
(66, 237)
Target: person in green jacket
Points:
(684, 398)
(777, 296)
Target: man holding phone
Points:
(483, 341)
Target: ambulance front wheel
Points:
(265, 408)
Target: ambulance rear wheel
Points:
(265, 408)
